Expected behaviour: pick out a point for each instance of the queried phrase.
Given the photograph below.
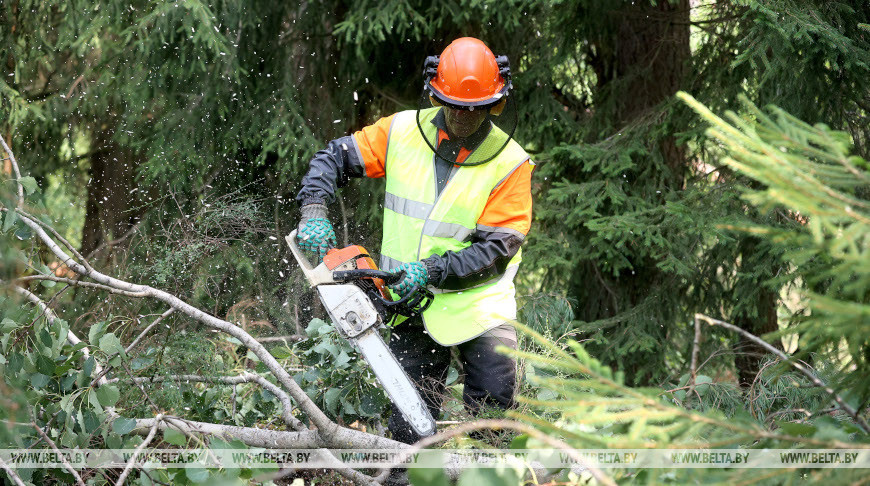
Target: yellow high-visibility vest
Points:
(418, 224)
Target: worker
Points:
(456, 210)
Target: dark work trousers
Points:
(490, 377)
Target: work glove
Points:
(415, 275)
(315, 233)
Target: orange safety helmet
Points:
(467, 75)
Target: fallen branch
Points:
(79, 283)
(249, 436)
(845, 407)
(282, 339)
(328, 428)
(147, 329)
(252, 436)
(15, 478)
(142, 446)
(286, 402)
(11, 159)
(51, 444)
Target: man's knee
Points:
(490, 376)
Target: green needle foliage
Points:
(808, 170)
(595, 409)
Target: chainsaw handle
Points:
(388, 277)
(315, 275)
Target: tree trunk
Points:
(639, 62)
(111, 207)
(758, 319)
(652, 51)
(749, 354)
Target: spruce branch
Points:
(501, 424)
(608, 400)
(845, 407)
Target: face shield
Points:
(466, 96)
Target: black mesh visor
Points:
(484, 142)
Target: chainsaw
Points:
(353, 291)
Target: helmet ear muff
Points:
(434, 102)
(430, 68)
(497, 109)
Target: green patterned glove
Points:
(315, 232)
(415, 275)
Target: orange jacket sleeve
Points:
(371, 142)
(509, 206)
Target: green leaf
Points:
(7, 325)
(94, 400)
(68, 381)
(91, 421)
(489, 477)
(9, 220)
(330, 398)
(29, 184)
(314, 326)
(45, 338)
(281, 352)
(342, 360)
(520, 442)
(702, 384)
(197, 475)
(174, 437)
(452, 376)
(123, 426)
(140, 363)
(23, 233)
(38, 380)
(429, 477)
(16, 362)
(96, 332)
(113, 441)
(347, 408)
(110, 344)
(108, 395)
(88, 367)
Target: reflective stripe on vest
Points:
(418, 210)
(418, 223)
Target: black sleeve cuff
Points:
(436, 267)
(312, 200)
(486, 259)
